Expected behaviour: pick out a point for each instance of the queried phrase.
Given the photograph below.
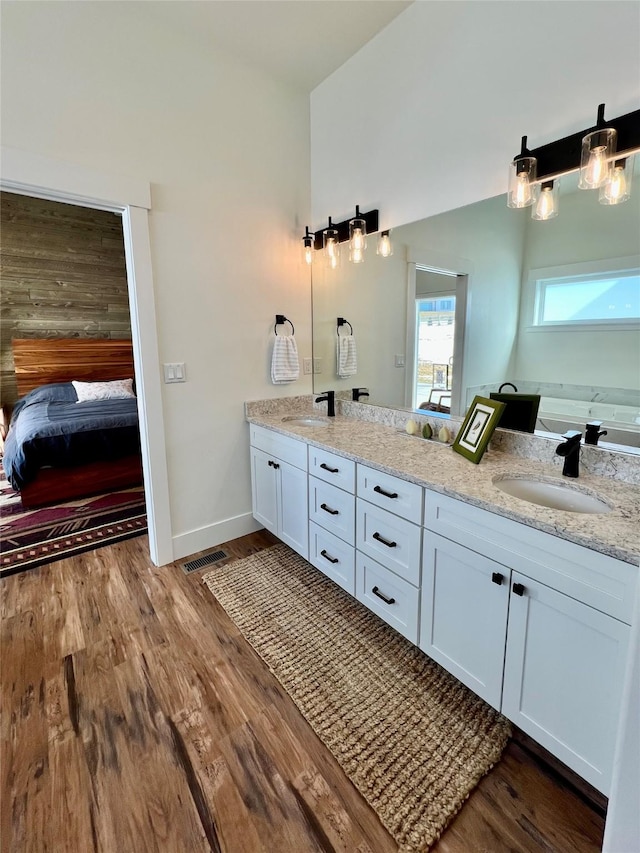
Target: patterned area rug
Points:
(411, 738)
(33, 537)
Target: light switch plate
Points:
(400, 360)
(307, 366)
(174, 372)
(317, 365)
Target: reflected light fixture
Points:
(617, 188)
(357, 238)
(546, 207)
(331, 245)
(602, 155)
(307, 244)
(385, 246)
(523, 189)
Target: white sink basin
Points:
(553, 494)
(307, 421)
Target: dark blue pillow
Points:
(56, 392)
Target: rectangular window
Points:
(600, 298)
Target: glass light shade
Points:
(385, 246)
(357, 240)
(546, 206)
(307, 251)
(523, 190)
(331, 247)
(595, 161)
(618, 188)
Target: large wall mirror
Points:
(459, 309)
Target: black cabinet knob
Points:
(496, 577)
(518, 588)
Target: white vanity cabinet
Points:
(388, 545)
(279, 486)
(332, 516)
(536, 625)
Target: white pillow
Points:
(87, 391)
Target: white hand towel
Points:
(347, 359)
(285, 366)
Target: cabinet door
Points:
(563, 677)
(292, 504)
(264, 490)
(463, 621)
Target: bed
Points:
(60, 447)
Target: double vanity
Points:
(528, 605)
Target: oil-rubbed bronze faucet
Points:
(356, 393)
(570, 450)
(593, 432)
(330, 398)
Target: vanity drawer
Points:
(387, 595)
(332, 468)
(392, 541)
(390, 493)
(332, 508)
(333, 557)
(588, 576)
(282, 446)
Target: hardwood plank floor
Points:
(135, 717)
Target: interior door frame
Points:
(34, 175)
(462, 269)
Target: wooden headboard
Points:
(39, 361)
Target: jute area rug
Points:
(412, 739)
(33, 537)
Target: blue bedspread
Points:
(50, 428)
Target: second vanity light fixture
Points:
(602, 153)
(354, 231)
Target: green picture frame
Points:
(477, 428)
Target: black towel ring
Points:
(342, 322)
(504, 385)
(280, 319)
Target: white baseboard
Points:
(207, 537)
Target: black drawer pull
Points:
(329, 510)
(518, 588)
(327, 557)
(384, 541)
(273, 464)
(381, 595)
(330, 470)
(381, 491)
(496, 577)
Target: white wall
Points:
(226, 150)
(428, 114)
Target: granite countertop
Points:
(438, 467)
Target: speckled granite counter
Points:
(438, 467)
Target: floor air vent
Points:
(201, 562)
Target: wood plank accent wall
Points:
(63, 275)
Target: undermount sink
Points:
(553, 494)
(303, 420)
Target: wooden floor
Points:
(136, 718)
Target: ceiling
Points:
(300, 42)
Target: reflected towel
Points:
(285, 366)
(347, 359)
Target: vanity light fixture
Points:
(307, 243)
(523, 190)
(617, 188)
(385, 246)
(354, 230)
(546, 207)
(597, 149)
(601, 153)
(331, 245)
(357, 238)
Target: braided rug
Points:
(412, 739)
